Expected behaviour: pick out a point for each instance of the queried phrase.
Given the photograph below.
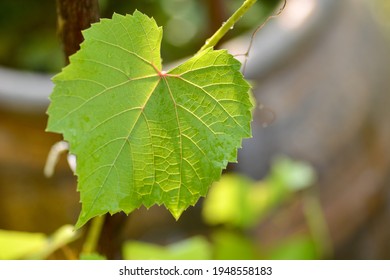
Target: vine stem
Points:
(72, 17)
(93, 235)
(227, 25)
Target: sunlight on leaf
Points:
(143, 136)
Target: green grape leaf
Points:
(143, 136)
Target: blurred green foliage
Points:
(28, 35)
(240, 202)
(233, 245)
(295, 248)
(26, 245)
(194, 248)
(29, 40)
(92, 257)
(16, 245)
(234, 206)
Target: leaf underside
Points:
(143, 136)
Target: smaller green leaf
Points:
(19, 245)
(26, 245)
(92, 256)
(227, 202)
(195, 248)
(237, 201)
(294, 175)
(294, 248)
(231, 245)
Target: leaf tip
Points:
(82, 220)
(176, 213)
(80, 223)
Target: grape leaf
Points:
(143, 136)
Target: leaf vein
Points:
(216, 101)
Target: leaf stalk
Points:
(228, 25)
(93, 235)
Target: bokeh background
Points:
(312, 183)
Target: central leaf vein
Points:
(180, 134)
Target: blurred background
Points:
(312, 183)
